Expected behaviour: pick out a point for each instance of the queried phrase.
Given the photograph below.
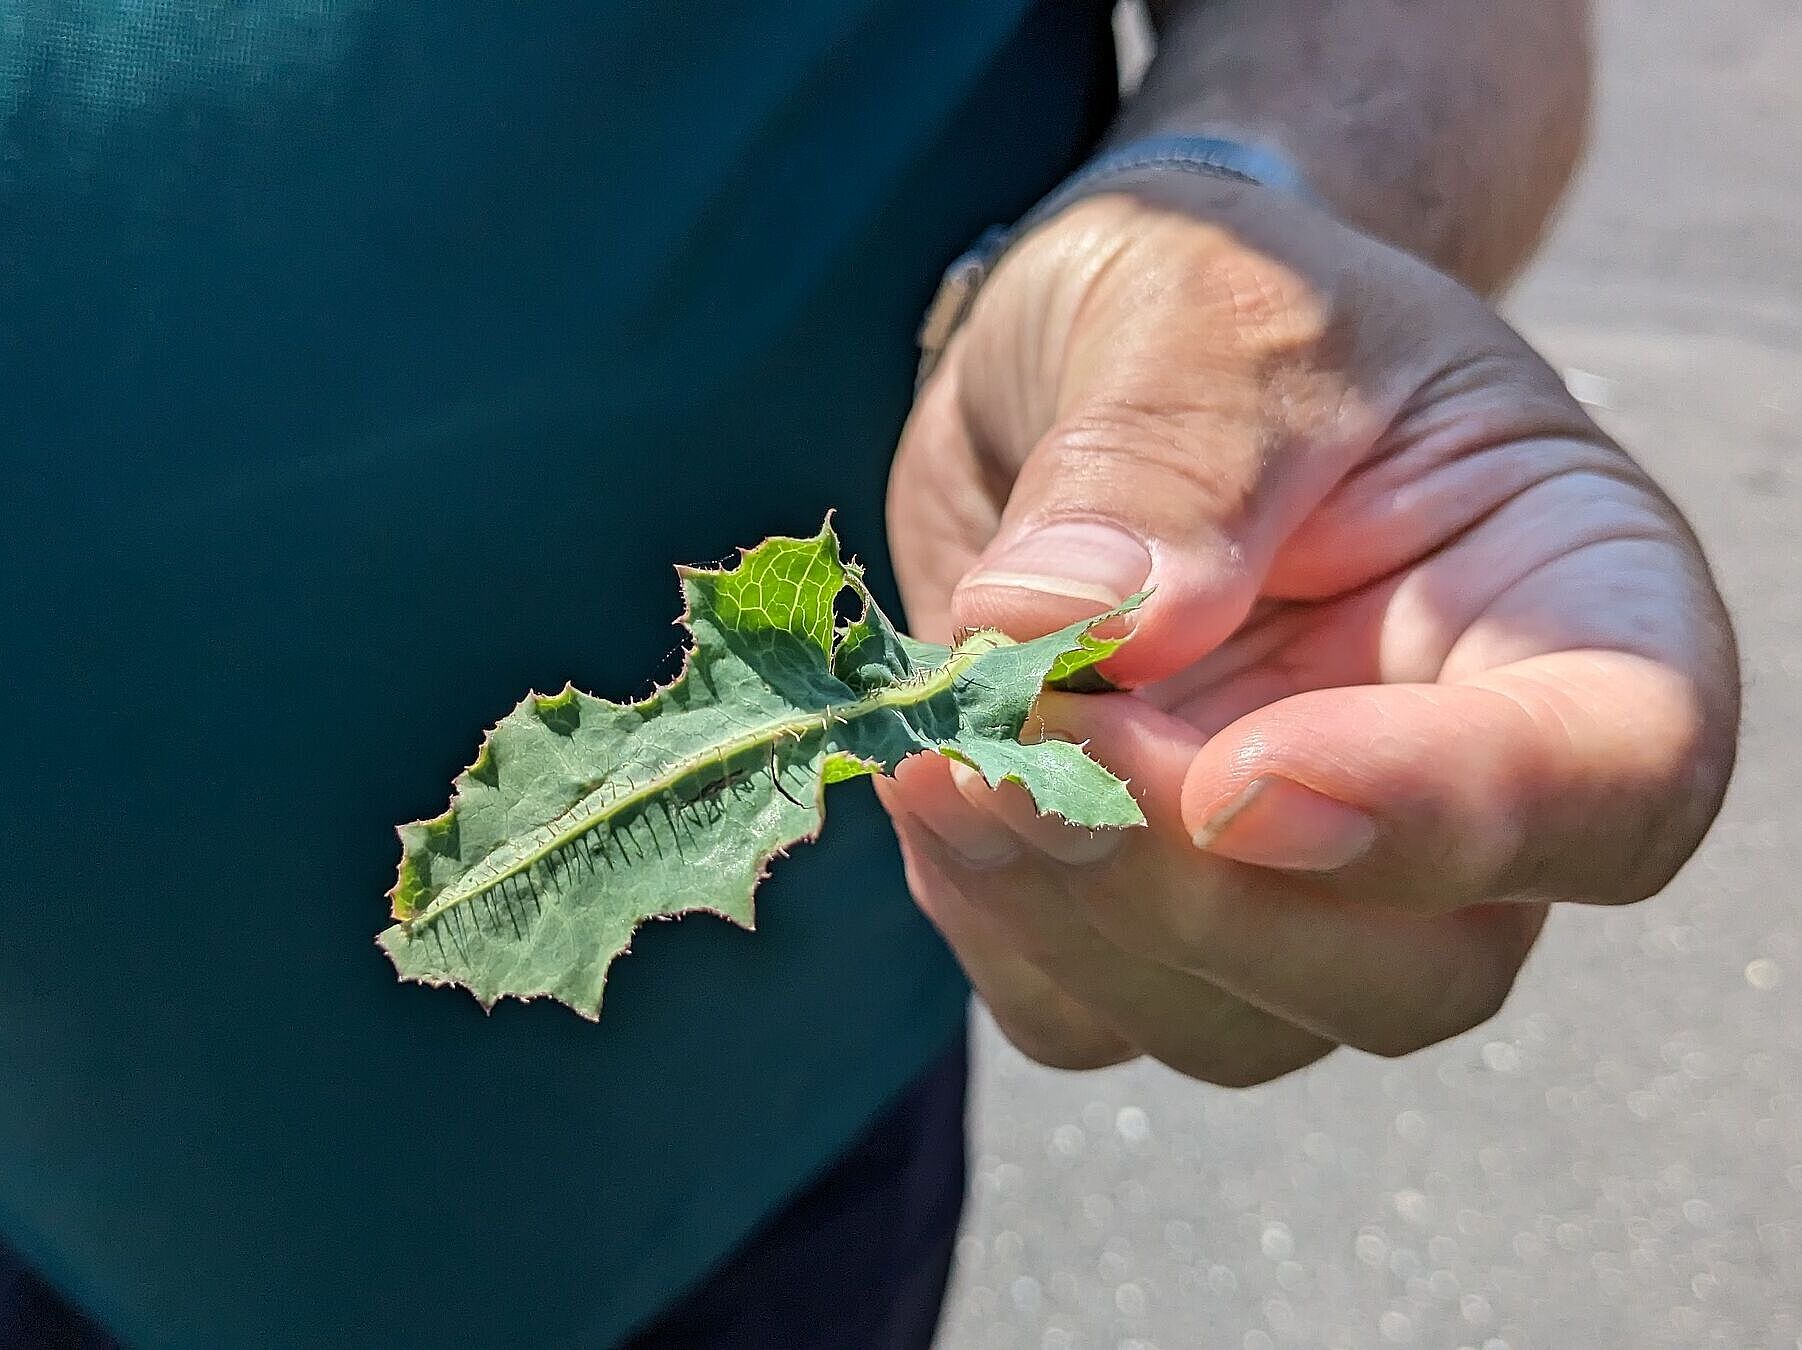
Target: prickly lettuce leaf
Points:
(580, 819)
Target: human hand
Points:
(1426, 651)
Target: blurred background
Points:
(1615, 1162)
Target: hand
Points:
(1426, 651)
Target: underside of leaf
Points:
(581, 819)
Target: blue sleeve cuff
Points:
(1209, 156)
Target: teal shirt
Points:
(363, 364)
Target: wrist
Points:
(1136, 165)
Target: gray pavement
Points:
(1615, 1162)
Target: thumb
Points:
(1200, 404)
(1128, 494)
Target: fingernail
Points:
(978, 843)
(1085, 560)
(972, 834)
(968, 780)
(1079, 847)
(1276, 822)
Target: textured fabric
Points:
(362, 365)
(858, 1261)
(34, 1316)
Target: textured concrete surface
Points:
(1615, 1162)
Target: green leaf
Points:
(1075, 669)
(580, 819)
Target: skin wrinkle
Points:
(1473, 510)
(1471, 481)
(1475, 591)
(1466, 422)
(1260, 640)
(1268, 644)
(1460, 664)
(1089, 449)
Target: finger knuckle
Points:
(1244, 1066)
(1263, 310)
(1469, 994)
(1154, 447)
(1060, 1044)
(1182, 928)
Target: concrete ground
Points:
(1615, 1162)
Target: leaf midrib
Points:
(905, 695)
